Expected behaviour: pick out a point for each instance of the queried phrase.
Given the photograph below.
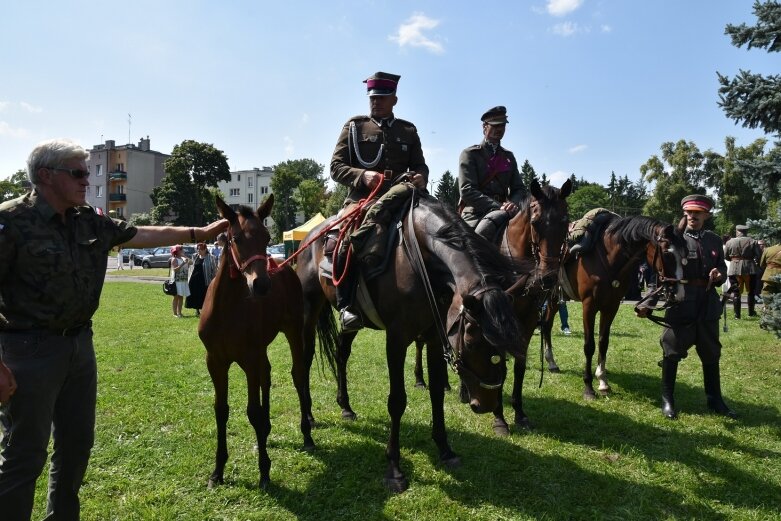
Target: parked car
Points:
(158, 257)
(276, 252)
(134, 255)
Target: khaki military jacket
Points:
(52, 272)
(480, 193)
(742, 254)
(369, 144)
(771, 261)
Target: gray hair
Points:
(53, 154)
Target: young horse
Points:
(599, 279)
(438, 260)
(245, 307)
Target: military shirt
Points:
(705, 253)
(52, 272)
(743, 254)
(771, 261)
(481, 193)
(366, 143)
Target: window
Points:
(263, 190)
(120, 211)
(249, 182)
(98, 170)
(235, 192)
(238, 177)
(98, 191)
(120, 167)
(249, 197)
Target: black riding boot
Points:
(669, 372)
(351, 321)
(583, 245)
(736, 304)
(712, 384)
(751, 296)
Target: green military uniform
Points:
(52, 272)
(588, 224)
(743, 253)
(391, 146)
(771, 261)
(488, 173)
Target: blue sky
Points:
(591, 86)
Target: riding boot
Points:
(350, 320)
(669, 372)
(712, 384)
(583, 245)
(736, 304)
(751, 302)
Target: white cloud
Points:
(3, 105)
(411, 33)
(605, 28)
(577, 148)
(562, 7)
(289, 148)
(558, 177)
(30, 108)
(566, 29)
(8, 131)
(305, 118)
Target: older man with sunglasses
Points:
(53, 255)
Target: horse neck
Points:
(518, 239)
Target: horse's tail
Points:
(328, 337)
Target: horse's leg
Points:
(218, 371)
(499, 425)
(420, 382)
(437, 376)
(342, 356)
(589, 316)
(309, 333)
(258, 371)
(519, 372)
(300, 374)
(546, 325)
(606, 317)
(394, 479)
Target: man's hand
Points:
(418, 180)
(510, 208)
(371, 178)
(7, 383)
(714, 276)
(643, 312)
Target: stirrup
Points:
(350, 321)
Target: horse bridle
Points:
(664, 285)
(535, 246)
(242, 266)
(452, 356)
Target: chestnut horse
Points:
(442, 282)
(599, 278)
(246, 306)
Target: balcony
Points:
(118, 176)
(117, 197)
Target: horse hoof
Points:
(214, 481)
(420, 385)
(606, 392)
(347, 414)
(500, 427)
(589, 396)
(264, 483)
(309, 446)
(554, 369)
(524, 424)
(396, 485)
(450, 462)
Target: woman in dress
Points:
(204, 269)
(179, 269)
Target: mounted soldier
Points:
(376, 149)
(489, 182)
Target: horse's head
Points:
(482, 330)
(247, 242)
(667, 254)
(549, 221)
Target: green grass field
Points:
(615, 458)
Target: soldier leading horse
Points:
(442, 280)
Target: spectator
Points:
(204, 270)
(219, 246)
(120, 254)
(564, 316)
(180, 266)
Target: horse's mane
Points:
(637, 228)
(246, 212)
(492, 266)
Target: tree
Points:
(528, 174)
(310, 197)
(177, 200)
(626, 197)
(587, 198)
(14, 186)
(335, 200)
(682, 170)
(737, 200)
(447, 190)
(289, 197)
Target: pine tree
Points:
(447, 190)
(528, 174)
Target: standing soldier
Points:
(374, 149)
(695, 320)
(488, 176)
(743, 254)
(771, 262)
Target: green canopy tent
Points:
(292, 238)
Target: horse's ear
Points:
(566, 189)
(264, 210)
(226, 212)
(536, 190)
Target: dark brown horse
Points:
(464, 309)
(599, 279)
(245, 307)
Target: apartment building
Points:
(248, 188)
(123, 176)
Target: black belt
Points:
(68, 331)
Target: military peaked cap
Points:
(697, 202)
(741, 228)
(381, 84)
(495, 116)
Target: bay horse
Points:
(442, 282)
(246, 305)
(599, 278)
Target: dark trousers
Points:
(56, 394)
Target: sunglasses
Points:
(75, 173)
